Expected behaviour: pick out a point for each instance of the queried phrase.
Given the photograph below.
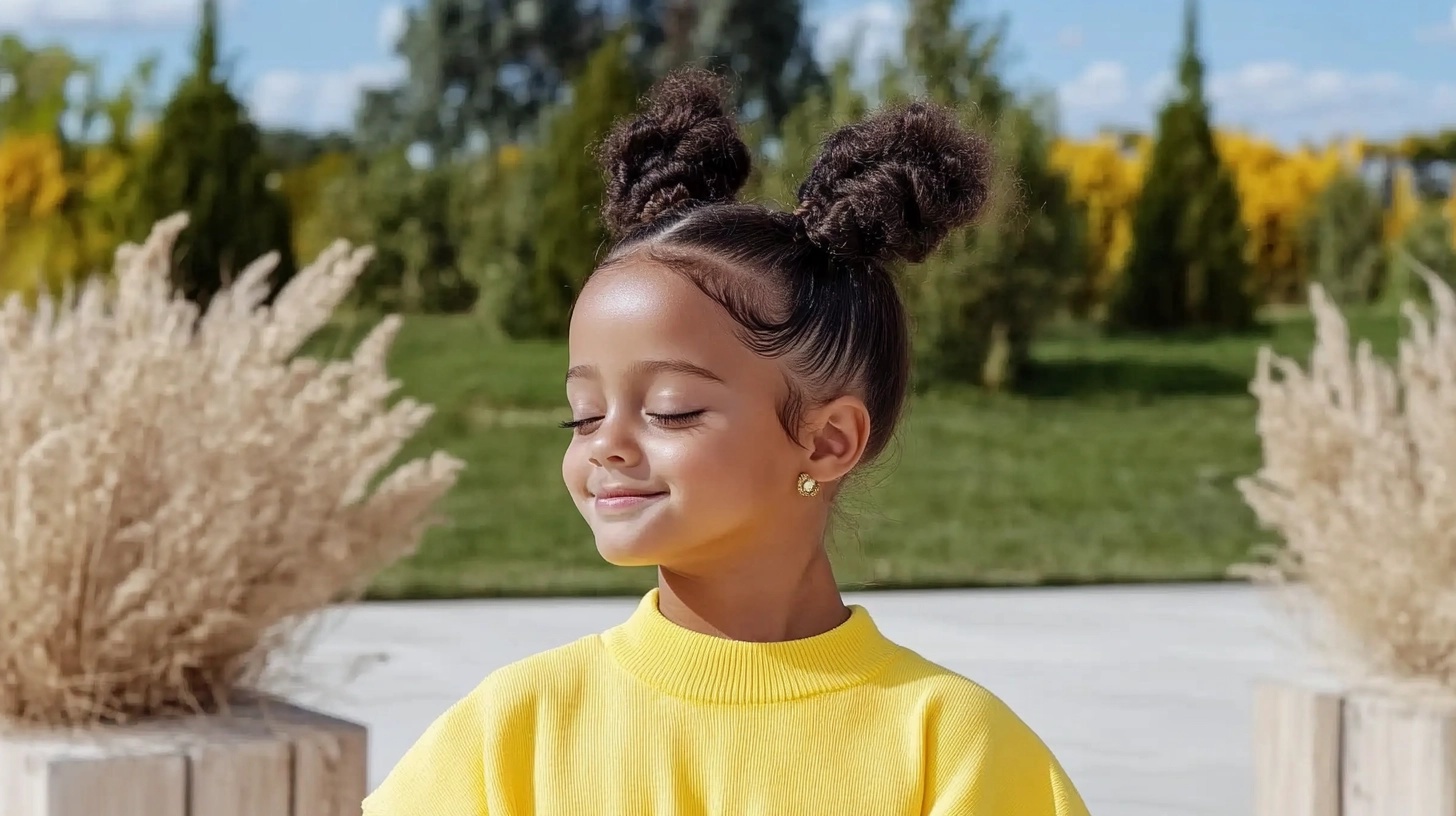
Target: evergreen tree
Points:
(767, 47)
(486, 71)
(1425, 245)
(479, 70)
(979, 301)
(405, 214)
(778, 171)
(1187, 266)
(569, 235)
(1343, 240)
(208, 160)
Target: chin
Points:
(634, 538)
(628, 553)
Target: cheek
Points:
(725, 464)
(693, 459)
(575, 466)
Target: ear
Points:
(835, 437)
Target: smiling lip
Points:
(617, 500)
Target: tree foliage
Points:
(208, 160)
(1427, 154)
(569, 236)
(1186, 267)
(1342, 240)
(307, 188)
(979, 301)
(484, 73)
(67, 195)
(1429, 241)
(290, 148)
(1276, 189)
(782, 162)
(404, 213)
(1103, 179)
(501, 221)
(493, 216)
(480, 70)
(765, 44)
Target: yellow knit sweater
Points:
(650, 719)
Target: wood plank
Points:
(237, 773)
(1297, 737)
(266, 758)
(330, 757)
(83, 775)
(117, 786)
(1400, 756)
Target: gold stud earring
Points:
(808, 487)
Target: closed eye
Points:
(666, 420)
(678, 420)
(579, 424)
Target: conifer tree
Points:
(569, 237)
(1187, 266)
(208, 160)
(1426, 245)
(1343, 240)
(979, 301)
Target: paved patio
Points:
(1143, 692)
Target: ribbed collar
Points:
(711, 669)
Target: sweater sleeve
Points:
(982, 760)
(442, 773)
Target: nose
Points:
(614, 444)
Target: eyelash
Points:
(667, 420)
(673, 420)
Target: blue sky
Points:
(1288, 69)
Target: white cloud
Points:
(1102, 87)
(1319, 103)
(1278, 99)
(878, 25)
(317, 101)
(95, 13)
(392, 20)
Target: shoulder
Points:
(510, 697)
(444, 771)
(947, 696)
(964, 721)
(981, 756)
(554, 673)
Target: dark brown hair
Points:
(814, 286)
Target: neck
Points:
(763, 602)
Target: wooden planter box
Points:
(1328, 752)
(265, 758)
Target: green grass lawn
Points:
(1116, 463)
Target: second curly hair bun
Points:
(893, 186)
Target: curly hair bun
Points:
(895, 184)
(681, 150)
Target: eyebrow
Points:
(581, 372)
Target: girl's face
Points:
(677, 455)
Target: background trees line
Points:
(473, 178)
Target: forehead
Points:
(639, 316)
(638, 309)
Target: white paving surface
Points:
(1143, 692)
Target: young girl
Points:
(730, 366)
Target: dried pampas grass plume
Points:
(1359, 480)
(177, 491)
